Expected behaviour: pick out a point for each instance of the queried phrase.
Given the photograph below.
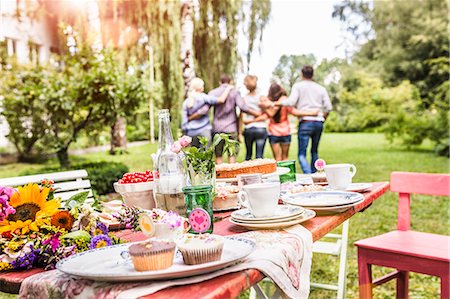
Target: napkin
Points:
(284, 256)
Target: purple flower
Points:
(100, 241)
(53, 241)
(26, 261)
(100, 229)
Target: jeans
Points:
(257, 136)
(307, 130)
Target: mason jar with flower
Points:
(200, 167)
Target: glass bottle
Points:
(199, 208)
(169, 171)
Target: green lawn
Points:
(375, 159)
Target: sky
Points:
(296, 27)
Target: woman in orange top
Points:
(279, 126)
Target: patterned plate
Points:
(355, 187)
(308, 214)
(282, 212)
(322, 198)
(106, 263)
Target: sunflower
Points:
(32, 209)
(62, 219)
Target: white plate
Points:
(308, 214)
(354, 187)
(269, 220)
(322, 198)
(106, 264)
(282, 211)
(336, 209)
(279, 171)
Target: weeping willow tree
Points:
(216, 32)
(215, 38)
(159, 22)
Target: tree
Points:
(216, 35)
(23, 91)
(409, 41)
(289, 69)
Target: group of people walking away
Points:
(261, 117)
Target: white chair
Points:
(338, 248)
(67, 183)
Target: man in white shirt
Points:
(308, 95)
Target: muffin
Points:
(200, 249)
(152, 255)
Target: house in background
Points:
(29, 40)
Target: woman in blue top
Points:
(196, 99)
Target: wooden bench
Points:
(67, 183)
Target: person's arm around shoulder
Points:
(296, 112)
(203, 110)
(292, 99)
(243, 106)
(223, 97)
(270, 109)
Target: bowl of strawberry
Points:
(136, 189)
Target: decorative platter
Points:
(107, 264)
(280, 171)
(322, 198)
(308, 214)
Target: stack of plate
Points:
(325, 201)
(284, 216)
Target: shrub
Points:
(102, 174)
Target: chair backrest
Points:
(406, 183)
(67, 183)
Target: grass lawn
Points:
(375, 160)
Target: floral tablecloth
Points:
(283, 256)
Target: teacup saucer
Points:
(308, 214)
(282, 211)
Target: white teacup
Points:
(339, 176)
(261, 199)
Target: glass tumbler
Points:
(199, 208)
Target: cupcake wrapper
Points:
(201, 256)
(157, 260)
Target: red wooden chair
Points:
(404, 249)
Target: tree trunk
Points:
(119, 136)
(187, 35)
(63, 157)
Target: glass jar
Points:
(199, 208)
(290, 176)
(169, 171)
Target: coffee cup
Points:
(339, 176)
(261, 199)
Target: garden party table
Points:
(229, 285)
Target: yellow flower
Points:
(14, 245)
(5, 266)
(32, 209)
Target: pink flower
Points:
(185, 140)
(176, 147)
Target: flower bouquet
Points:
(37, 230)
(200, 162)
